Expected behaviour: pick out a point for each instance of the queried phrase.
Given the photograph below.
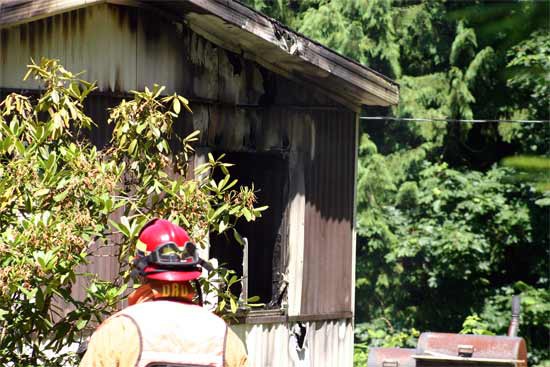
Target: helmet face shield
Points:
(171, 256)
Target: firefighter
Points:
(162, 326)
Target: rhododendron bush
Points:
(62, 199)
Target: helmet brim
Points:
(172, 276)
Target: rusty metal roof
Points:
(236, 27)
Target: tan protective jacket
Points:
(165, 332)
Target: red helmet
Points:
(165, 252)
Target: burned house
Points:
(283, 108)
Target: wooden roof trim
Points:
(384, 90)
(14, 12)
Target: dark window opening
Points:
(266, 235)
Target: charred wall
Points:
(240, 107)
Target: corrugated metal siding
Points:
(86, 39)
(329, 187)
(103, 262)
(328, 344)
(125, 49)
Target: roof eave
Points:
(292, 52)
(234, 26)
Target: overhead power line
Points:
(392, 118)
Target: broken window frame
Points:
(277, 302)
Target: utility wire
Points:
(392, 118)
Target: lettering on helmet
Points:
(166, 290)
(175, 290)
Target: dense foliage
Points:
(62, 201)
(446, 232)
(442, 243)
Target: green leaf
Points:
(81, 324)
(87, 91)
(156, 132)
(39, 256)
(185, 103)
(120, 227)
(29, 72)
(238, 237)
(126, 224)
(231, 184)
(61, 196)
(55, 97)
(220, 210)
(57, 121)
(122, 140)
(176, 106)
(141, 127)
(132, 146)
(234, 279)
(234, 305)
(42, 192)
(74, 89)
(247, 214)
(202, 168)
(19, 146)
(193, 136)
